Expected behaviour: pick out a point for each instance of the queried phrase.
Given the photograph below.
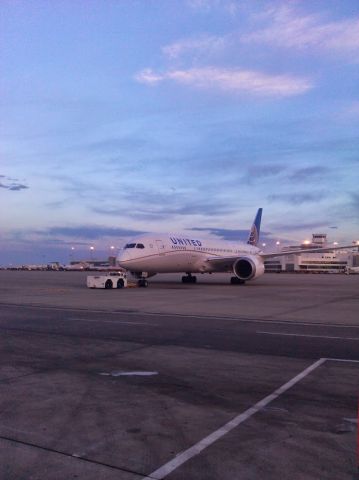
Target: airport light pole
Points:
(72, 254)
(91, 252)
(111, 256)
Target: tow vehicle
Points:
(109, 280)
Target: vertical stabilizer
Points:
(254, 233)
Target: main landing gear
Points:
(189, 278)
(142, 279)
(237, 281)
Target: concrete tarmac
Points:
(177, 381)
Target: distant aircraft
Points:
(77, 266)
(351, 270)
(154, 253)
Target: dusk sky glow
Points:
(123, 117)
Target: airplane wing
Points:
(226, 263)
(305, 250)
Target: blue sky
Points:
(120, 117)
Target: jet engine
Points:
(248, 268)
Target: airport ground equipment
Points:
(110, 280)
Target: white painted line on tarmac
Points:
(129, 374)
(119, 322)
(243, 320)
(346, 360)
(306, 335)
(180, 315)
(351, 420)
(191, 452)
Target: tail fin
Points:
(254, 233)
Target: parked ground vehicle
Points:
(109, 280)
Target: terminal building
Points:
(326, 262)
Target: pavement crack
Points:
(8, 379)
(73, 456)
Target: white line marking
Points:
(351, 420)
(186, 455)
(180, 315)
(342, 360)
(129, 374)
(234, 319)
(119, 322)
(306, 335)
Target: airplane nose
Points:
(123, 257)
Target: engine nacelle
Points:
(248, 268)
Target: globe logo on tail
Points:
(253, 236)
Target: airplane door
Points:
(160, 247)
(191, 259)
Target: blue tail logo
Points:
(254, 233)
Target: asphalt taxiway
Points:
(205, 381)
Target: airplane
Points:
(351, 270)
(149, 254)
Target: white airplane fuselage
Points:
(172, 253)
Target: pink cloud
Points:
(231, 81)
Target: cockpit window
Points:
(140, 245)
(130, 245)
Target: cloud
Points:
(157, 210)
(225, 233)
(287, 28)
(346, 210)
(12, 184)
(355, 201)
(263, 171)
(297, 198)
(290, 227)
(164, 203)
(309, 173)
(228, 6)
(231, 81)
(17, 187)
(90, 232)
(239, 235)
(202, 44)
